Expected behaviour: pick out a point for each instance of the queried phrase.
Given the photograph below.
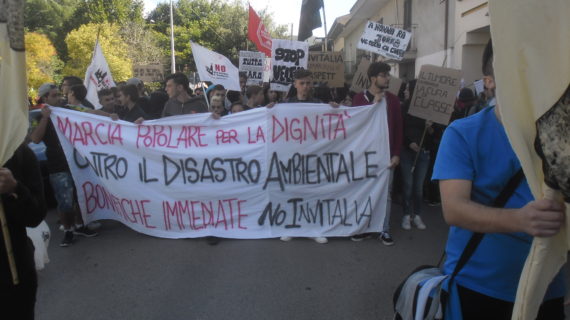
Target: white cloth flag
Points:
(98, 76)
(215, 67)
(292, 170)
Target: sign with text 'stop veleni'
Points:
(435, 93)
(287, 56)
(384, 40)
(292, 170)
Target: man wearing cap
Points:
(59, 173)
(180, 101)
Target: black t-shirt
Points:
(56, 161)
(135, 113)
(310, 100)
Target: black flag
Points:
(310, 18)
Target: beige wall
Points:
(468, 33)
(471, 36)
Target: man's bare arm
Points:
(540, 218)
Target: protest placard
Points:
(287, 56)
(327, 68)
(384, 40)
(360, 80)
(435, 93)
(253, 64)
(293, 170)
(149, 73)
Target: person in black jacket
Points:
(128, 97)
(21, 193)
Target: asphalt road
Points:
(125, 275)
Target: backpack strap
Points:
(476, 238)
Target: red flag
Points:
(257, 33)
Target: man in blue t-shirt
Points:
(474, 163)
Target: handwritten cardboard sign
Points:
(435, 93)
(293, 170)
(287, 56)
(327, 68)
(252, 63)
(384, 40)
(360, 80)
(149, 73)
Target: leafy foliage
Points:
(80, 44)
(42, 63)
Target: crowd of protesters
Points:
(413, 141)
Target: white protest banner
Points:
(149, 72)
(215, 67)
(287, 56)
(435, 93)
(292, 170)
(98, 76)
(267, 70)
(252, 63)
(384, 40)
(327, 68)
(360, 80)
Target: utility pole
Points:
(326, 33)
(172, 57)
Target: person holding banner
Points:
(379, 76)
(129, 97)
(22, 196)
(475, 162)
(59, 174)
(180, 101)
(302, 90)
(255, 97)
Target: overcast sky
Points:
(288, 11)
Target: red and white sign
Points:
(257, 32)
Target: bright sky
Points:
(288, 11)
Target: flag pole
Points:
(8, 245)
(325, 22)
(206, 95)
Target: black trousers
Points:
(477, 306)
(18, 302)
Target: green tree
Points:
(80, 44)
(42, 63)
(217, 24)
(142, 43)
(49, 17)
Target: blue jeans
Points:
(413, 183)
(63, 190)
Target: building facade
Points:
(449, 33)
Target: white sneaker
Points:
(419, 223)
(321, 240)
(406, 222)
(285, 238)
